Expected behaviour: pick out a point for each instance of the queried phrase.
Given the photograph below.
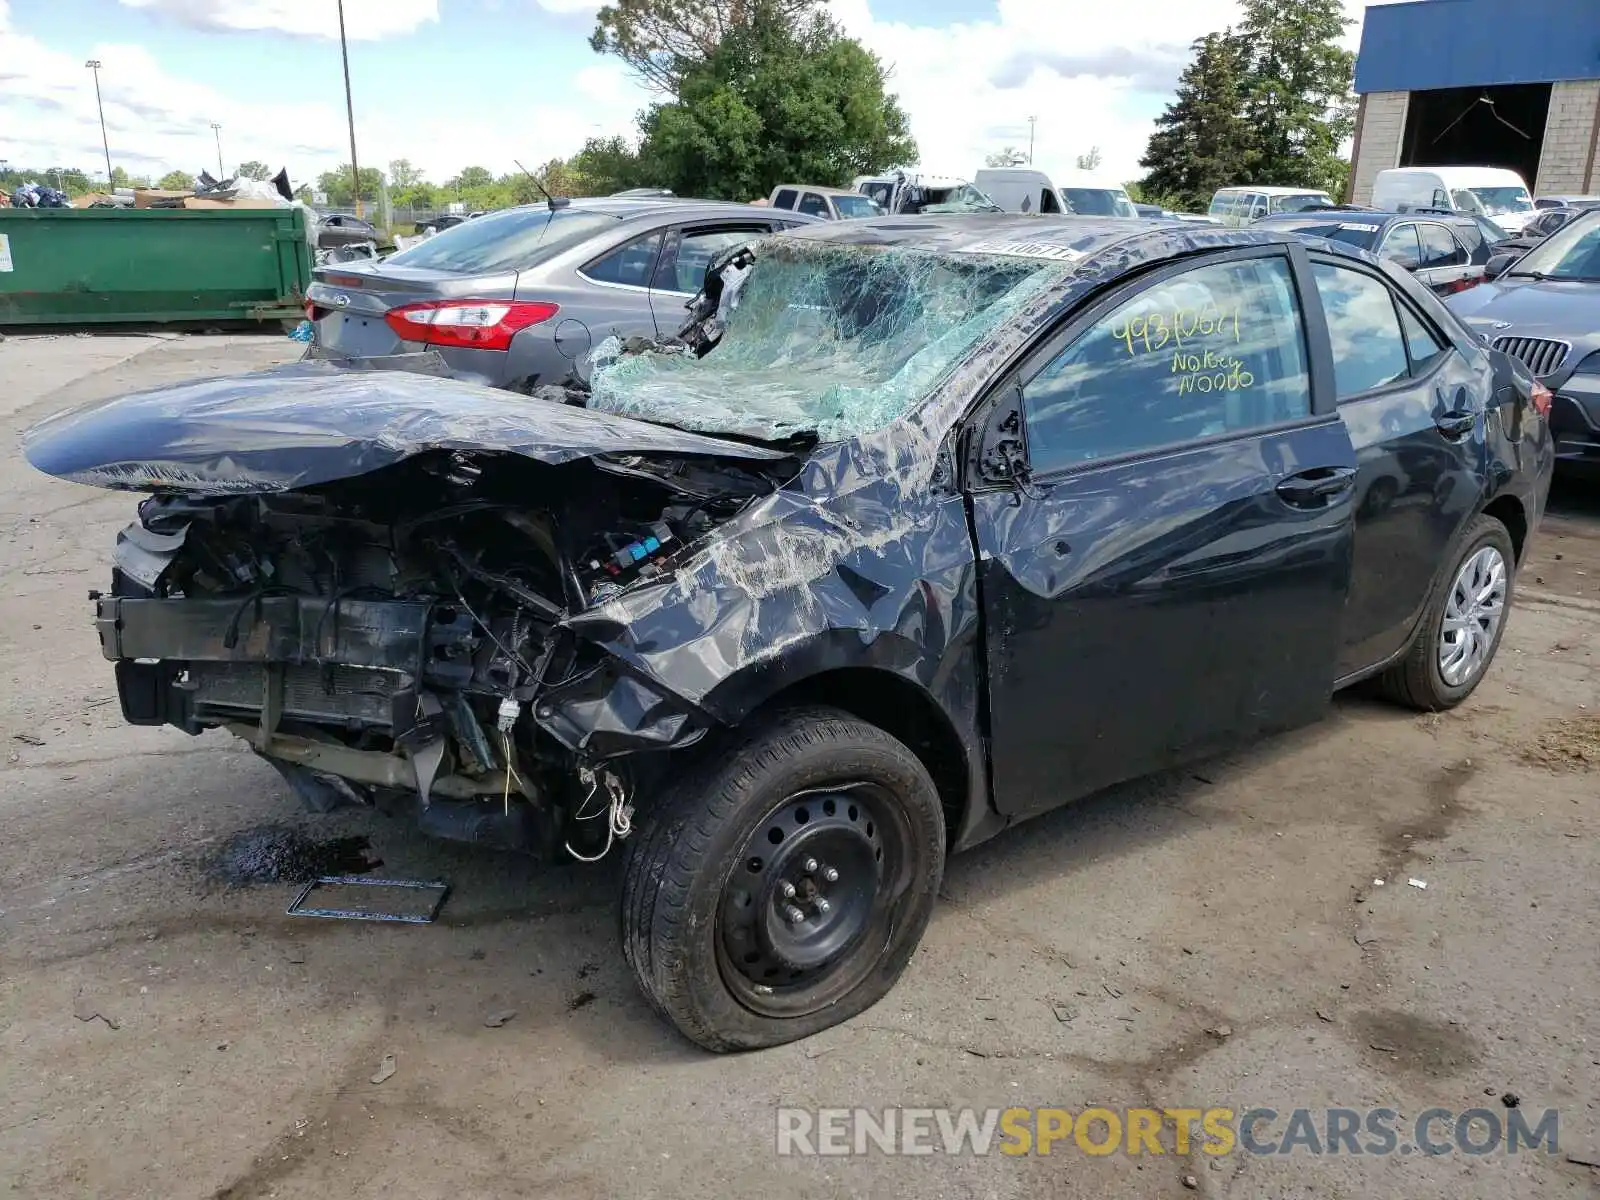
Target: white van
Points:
(914, 192)
(1033, 189)
(1492, 192)
(1241, 205)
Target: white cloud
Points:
(1095, 79)
(364, 19)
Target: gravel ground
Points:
(162, 1035)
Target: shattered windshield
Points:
(827, 338)
(1493, 201)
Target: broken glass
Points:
(828, 339)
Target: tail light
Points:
(1461, 285)
(474, 324)
(1541, 398)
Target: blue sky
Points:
(453, 83)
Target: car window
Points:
(878, 191)
(630, 263)
(1214, 350)
(812, 205)
(857, 206)
(1440, 200)
(504, 241)
(1220, 204)
(1369, 350)
(1422, 346)
(1402, 247)
(784, 198)
(1471, 237)
(686, 271)
(1439, 247)
(1048, 202)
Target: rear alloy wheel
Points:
(783, 887)
(1458, 638)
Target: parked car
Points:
(1237, 206)
(1151, 212)
(1493, 192)
(913, 192)
(830, 204)
(341, 229)
(1567, 201)
(1547, 220)
(1545, 312)
(519, 297)
(646, 193)
(1446, 253)
(943, 523)
(1036, 190)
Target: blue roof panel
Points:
(1477, 43)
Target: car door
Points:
(616, 299)
(1162, 508)
(688, 251)
(1406, 395)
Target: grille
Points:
(1540, 355)
(310, 692)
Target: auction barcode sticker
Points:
(1018, 249)
(5, 253)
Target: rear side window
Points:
(630, 263)
(1471, 237)
(1440, 200)
(1439, 247)
(1402, 248)
(1369, 350)
(504, 241)
(813, 205)
(1423, 347)
(1221, 204)
(686, 271)
(1215, 350)
(784, 198)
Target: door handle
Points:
(1456, 424)
(1317, 487)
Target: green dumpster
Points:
(75, 266)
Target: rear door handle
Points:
(1316, 488)
(1456, 424)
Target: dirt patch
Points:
(1572, 744)
(1401, 1041)
(279, 854)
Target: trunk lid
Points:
(351, 299)
(310, 423)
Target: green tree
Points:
(403, 176)
(176, 181)
(254, 170)
(337, 186)
(1008, 156)
(474, 177)
(779, 99)
(663, 40)
(609, 165)
(1202, 142)
(1297, 99)
(121, 179)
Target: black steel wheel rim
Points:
(804, 913)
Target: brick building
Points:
(1483, 83)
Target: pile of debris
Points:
(207, 192)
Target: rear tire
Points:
(1427, 677)
(782, 886)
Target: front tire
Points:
(782, 886)
(1466, 619)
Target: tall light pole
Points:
(350, 112)
(94, 65)
(1031, 121)
(216, 131)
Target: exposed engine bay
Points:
(392, 638)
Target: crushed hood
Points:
(309, 423)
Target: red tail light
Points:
(1540, 395)
(1462, 285)
(474, 324)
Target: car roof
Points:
(1051, 237)
(1360, 215)
(1457, 174)
(815, 187)
(1265, 190)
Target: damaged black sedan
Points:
(921, 527)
